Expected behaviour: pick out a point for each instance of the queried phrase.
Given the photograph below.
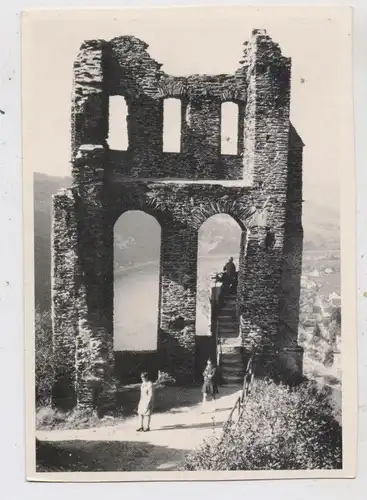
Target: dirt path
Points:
(173, 434)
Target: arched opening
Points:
(229, 128)
(219, 238)
(172, 121)
(137, 241)
(118, 136)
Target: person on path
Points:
(145, 406)
(208, 386)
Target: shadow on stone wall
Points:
(130, 365)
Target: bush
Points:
(302, 337)
(44, 358)
(330, 379)
(164, 379)
(329, 358)
(280, 429)
(48, 418)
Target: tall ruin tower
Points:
(260, 187)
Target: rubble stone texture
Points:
(181, 190)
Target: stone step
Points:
(228, 314)
(228, 324)
(232, 369)
(231, 343)
(231, 320)
(231, 329)
(231, 358)
(226, 332)
(232, 297)
(228, 303)
(232, 364)
(227, 353)
(232, 380)
(228, 320)
(231, 306)
(227, 328)
(231, 349)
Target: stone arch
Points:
(151, 206)
(238, 211)
(226, 237)
(137, 240)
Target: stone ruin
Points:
(260, 187)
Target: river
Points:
(136, 293)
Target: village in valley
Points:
(320, 316)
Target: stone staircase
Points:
(229, 344)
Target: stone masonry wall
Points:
(176, 336)
(181, 209)
(291, 359)
(180, 191)
(64, 288)
(124, 67)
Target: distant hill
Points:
(321, 226)
(321, 231)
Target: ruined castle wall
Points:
(201, 135)
(176, 336)
(293, 245)
(122, 164)
(181, 209)
(124, 67)
(95, 356)
(64, 293)
(266, 158)
(89, 100)
(267, 204)
(267, 111)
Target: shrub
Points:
(302, 337)
(164, 379)
(279, 429)
(316, 337)
(329, 358)
(48, 418)
(331, 379)
(44, 358)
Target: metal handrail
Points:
(240, 403)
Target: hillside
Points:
(321, 231)
(321, 226)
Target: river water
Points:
(136, 293)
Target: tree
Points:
(335, 326)
(316, 337)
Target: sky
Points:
(186, 41)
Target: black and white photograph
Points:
(189, 217)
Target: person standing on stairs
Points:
(145, 407)
(229, 274)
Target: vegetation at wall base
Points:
(281, 428)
